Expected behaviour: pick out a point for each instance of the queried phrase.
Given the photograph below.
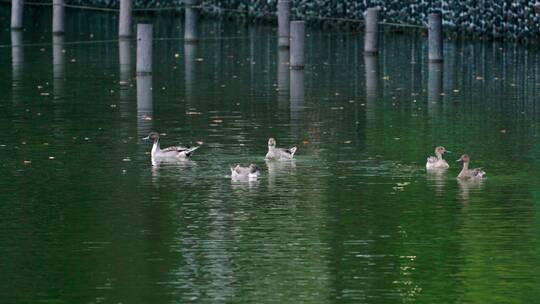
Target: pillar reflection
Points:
(283, 76)
(59, 66)
(17, 57)
(297, 96)
(144, 105)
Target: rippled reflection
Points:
(297, 97)
(144, 105)
(17, 58)
(59, 65)
(435, 86)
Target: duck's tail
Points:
(292, 150)
(190, 150)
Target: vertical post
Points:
(284, 27)
(58, 16)
(297, 44)
(191, 20)
(371, 38)
(144, 48)
(16, 14)
(124, 25)
(435, 37)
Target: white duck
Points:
(275, 153)
(239, 172)
(177, 152)
(437, 162)
(469, 174)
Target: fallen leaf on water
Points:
(503, 131)
(27, 162)
(347, 142)
(217, 120)
(51, 157)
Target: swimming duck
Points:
(466, 173)
(169, 152)
(279, 153)
(437, 162)
(251, 172)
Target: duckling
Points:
(437, 162)
(169, 152)
(251, 172)
(468, 174)
(275, 153)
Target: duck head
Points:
(464, 158)
(440, 150)
(154, 136)
(271, 142)
(253, 168)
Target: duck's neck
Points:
(271, 148)
(155, 147)
(439, 155)
(465, 165)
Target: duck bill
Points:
(146, 138)
(459, 160)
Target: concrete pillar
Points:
(16, 14)
(59, 16)
(284, 27)
(144, 48)
(297, 45)
(124, 22)
(435, 37)
(371, 38)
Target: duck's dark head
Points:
(440, 150)
(154, 136)
(464, 158)
(253, 168)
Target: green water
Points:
(86, 218)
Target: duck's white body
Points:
(172, 152)
(240, 172)
(436, 162)
(169, 153)
(275, 153)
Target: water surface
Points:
(355, 218)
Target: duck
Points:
(469, 174)
(275, 153)
(437, 162)
(177, 152)
(251, 172)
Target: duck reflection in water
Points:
(277, 168)
(437, 178)
(466, 186)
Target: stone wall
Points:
(510, 19)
